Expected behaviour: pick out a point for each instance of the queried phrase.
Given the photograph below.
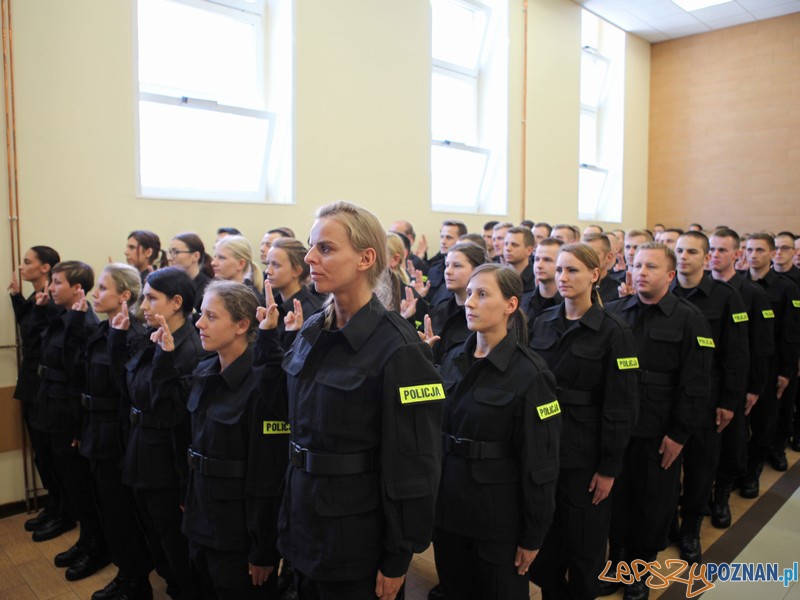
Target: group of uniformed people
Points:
(525, 399)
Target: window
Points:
(204, 132)
(469, 106)
(601, 120)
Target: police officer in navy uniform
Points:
(545, 294)
(501, 434)
(104, 430)
(764, 415)
(675, 366)
(238, 454)
(365, 408)
(35, 268)
(722, 306)
(156, 388)
(607, 287)
(451, 230)
(724, 250)
(593, 356)
(57, 409)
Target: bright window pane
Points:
(203, 53)
(454, 108)
(588, 147)
(590, 30)
(191, 149)
(593, 78)
(458, 31)
(591, 183)
(456, 177)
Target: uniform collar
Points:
(183, 332)
(288, 305)
(705, 286)
(666, 305)
(364, 323)
(500, 356)
(236, 371)
(592, 318)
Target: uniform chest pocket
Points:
(585, 365)
(339, 400)
(493, 414)
(664, 349)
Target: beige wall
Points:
(725, 128)
(361, 127)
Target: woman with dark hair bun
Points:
(155, 386)
(500, 431)
(35, 268)
(593, 356)
(187, 251)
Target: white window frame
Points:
(446, 68)
(253, 14)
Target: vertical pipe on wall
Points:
(523, 206)
(29, 472)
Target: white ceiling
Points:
(660, 20)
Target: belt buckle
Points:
(297, 456)
(197, 461)
(135, 415)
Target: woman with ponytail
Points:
(187, 251)
(593, 356)
(501, 428)
(233, 261)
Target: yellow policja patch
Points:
(276, 427)
(549, 410)
(628, 363)
(706, 342)
(768, 314)
(421, 393)
(740, 317)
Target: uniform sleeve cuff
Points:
(394, 565)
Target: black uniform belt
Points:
(476, 450)
(214, 467)
(577, 397)
(330, 464)
(52, 374)
(656, 378)
(97, 403)
(146, 420)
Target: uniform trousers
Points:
(576, 540)
(472, 569)
(160, 516)
(223, 575)
(57, 503)
(783, 429)
(733, 449)
(644, 497)
(763, 423)
(124, 537)
(312, 589)
(700, 460)
(73, 475)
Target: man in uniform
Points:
(723, 308)
(499, 240)
(565, 233)
(606, 286)
(541, 231)
(517, 253)
(448, 235)
(724, 249)
(785, 308)
(488, 231)
(545, 293)
(674, 370)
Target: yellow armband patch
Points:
(740, 317)
(276, 427)
(549, 410)
(627, 363)
(768, 314)
(421, 393)
(705, 342)
(796, 303)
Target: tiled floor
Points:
(27, 571)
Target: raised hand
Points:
(422, 246)
(14, 287)
(626, 289)
(294, 320)
(42, 298)
(428, 336)
(81, 304)
(408, 306)
(163, 336)
(419, 283)
(268, 316)
(122, 319)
